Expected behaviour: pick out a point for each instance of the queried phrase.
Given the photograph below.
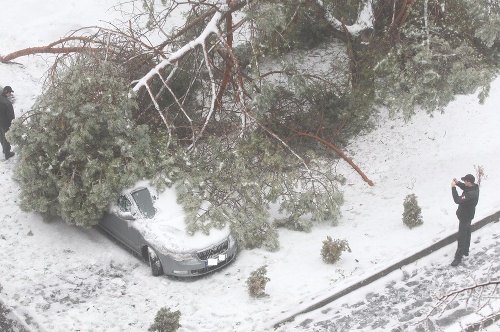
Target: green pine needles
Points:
(79, 146)
(332, 249)
(257, 282)
(166, 321)
(242, 179)
(412, 215)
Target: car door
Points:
(120, 224)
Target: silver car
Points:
(154, 229)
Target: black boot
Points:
(9, 154)
(456, 261)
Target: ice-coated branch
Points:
(364, 21)
(211, 28)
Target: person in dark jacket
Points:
(6, 117)
(466, 210)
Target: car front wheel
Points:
(154, 263)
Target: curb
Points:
(434, 247)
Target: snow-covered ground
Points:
(408, 298)
(62, 278)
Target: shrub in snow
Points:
(412, 215)
(332, 249)
(257, 281)
(166, 321)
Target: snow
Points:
(364, 21)
(58, 277)
(167, 230)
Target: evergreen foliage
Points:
(304, 105)
(79, 146)
(284, 25)
(332, 249)
(412, 214)
(241, 138)
(432, 64)
(255, 151)
(485, 21)
(429, 80)
(257, 282)
(264, 138)
(236, 181)
(166, 321)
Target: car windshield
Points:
(144, 202)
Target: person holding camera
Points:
(467, 202)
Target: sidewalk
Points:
(406, 297)
(8, 321)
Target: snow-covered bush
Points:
(166, 321)
(412, 215)
(332, 249)
(257, 281)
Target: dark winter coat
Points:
(467, 201)
(6, 112)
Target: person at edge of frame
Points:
(6, 117)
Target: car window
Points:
(124, 204)
(144, 202)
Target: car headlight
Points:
(182, 256)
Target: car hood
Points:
(167, 229)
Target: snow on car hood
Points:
(167, 229)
